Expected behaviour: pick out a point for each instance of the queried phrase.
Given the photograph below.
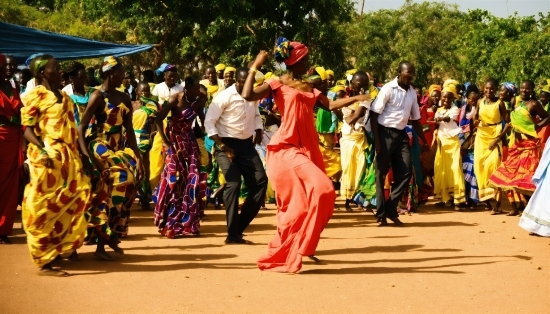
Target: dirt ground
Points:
(441, 262)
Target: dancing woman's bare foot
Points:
(48, 270)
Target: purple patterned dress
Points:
(182, 186)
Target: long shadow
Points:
(392, 270)
(98, 268)
(439, 224)
(387, 237)
(178, 247)
(371, 249)
(416, 260)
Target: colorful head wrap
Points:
(268, 75)
(290, 52)
(351, 72)
(220, 67)
(38, 65)
(229, 69)
(29, 59)
(163, 68)
(450, 87)
(322, 73)
(109, 63)
(511, 87)
(432, 88)
(330, 72)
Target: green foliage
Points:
(442, 41)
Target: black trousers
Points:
(247, 163)
(394, 150)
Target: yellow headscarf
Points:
(259, 78)
(449, 86)
(351, 72)
(229, 69)
(322, 73)
(432, 88)
(220, 67)
(339, 88)
(341, 83)
(269, 75)
(330, 72)
(450, 82)
(546, 88)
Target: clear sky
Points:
(501, 8)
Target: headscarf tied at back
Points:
(108, 63)
(163, 68)
(450, 87)
(432, 88)
(511, 87)
(289, 52)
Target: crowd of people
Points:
(80, 145)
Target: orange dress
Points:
(305, 195)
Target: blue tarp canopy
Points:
(22, 42)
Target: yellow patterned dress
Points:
(486, 161)
(110, 212)
(55, 200)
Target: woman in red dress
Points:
(305, 195)
(12, 154)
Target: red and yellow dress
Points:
(56, 199)
(516, 172)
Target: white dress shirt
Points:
(395, 105)
(230, 115)
(163, 92)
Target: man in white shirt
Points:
(395, 104)
(232, 122)
(170, 86)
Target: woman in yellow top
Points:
(449, 178)
(56, 198)
(145, 111)
(488, 143)
(115, 189)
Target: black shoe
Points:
(236, 241)
(397, 222)
(382, 222)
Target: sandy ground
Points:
(441, 262)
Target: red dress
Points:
(11, 158)
(305, 195)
